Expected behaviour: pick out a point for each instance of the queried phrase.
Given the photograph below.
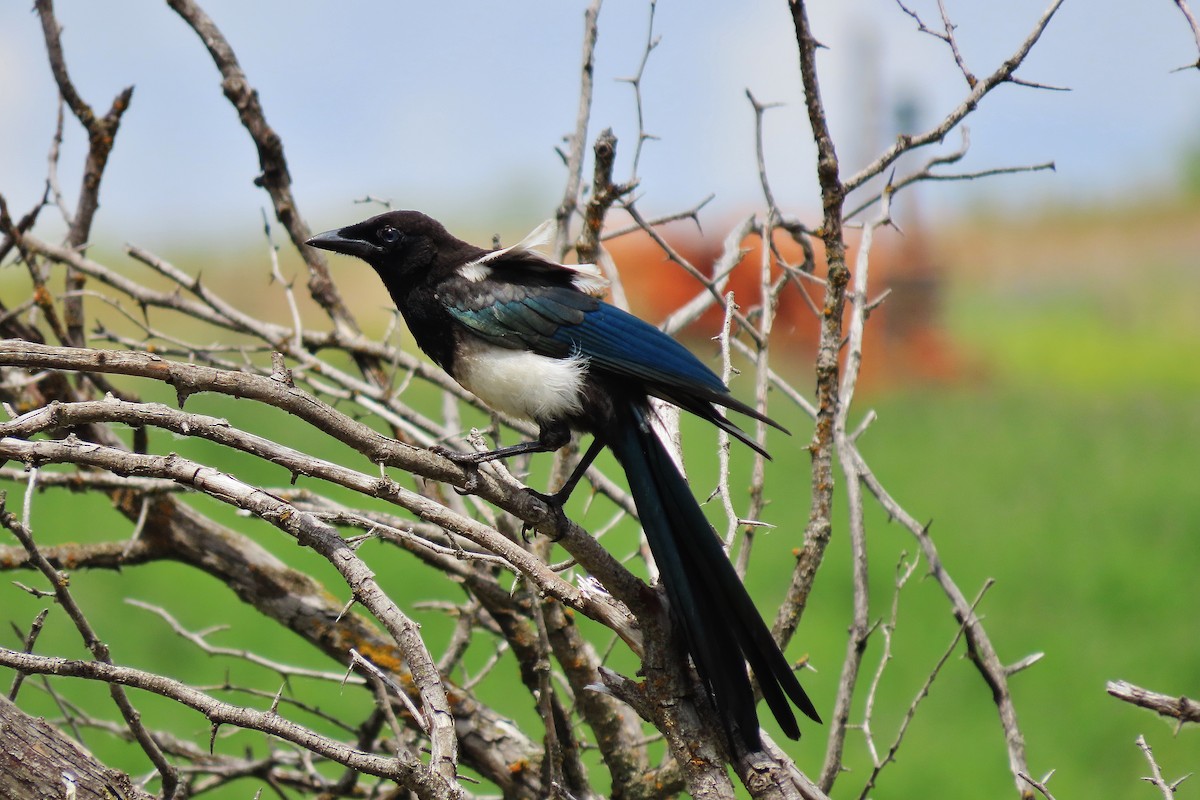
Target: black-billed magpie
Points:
(532, 338)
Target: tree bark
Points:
(37, 760)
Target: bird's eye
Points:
(389, 235)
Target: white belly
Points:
(521, 383)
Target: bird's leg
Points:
(557, 500)
(551, 436)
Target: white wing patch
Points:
(475, 271)
(521, 383)
(587, 278)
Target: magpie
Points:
(533, 338)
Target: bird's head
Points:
(398, 244)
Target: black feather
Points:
(719, 621)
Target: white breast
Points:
(519, 382)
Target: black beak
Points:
(336, 242)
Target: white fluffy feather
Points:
(519, 382)
(587, 278)
(474, 271)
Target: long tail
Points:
(721, 626)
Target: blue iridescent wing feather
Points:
(623, 344)
(558, 321)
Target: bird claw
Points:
(555, 504)
(469, 463)
(457, 456)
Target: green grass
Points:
(1109, 343)
(1085, 511)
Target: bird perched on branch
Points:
(532, 338)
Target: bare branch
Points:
(578, 140)
(636, 82)
(1002, 74)
(692, 214)
(102, 133)
(1186, 10)
(1180, 708)
(298, 603)
(200, 640)
(62, 595)
(1156, 777)
(946, 35)
(926, 172)
(674, 255)
(759, 110)
(410, 773)
(604, 194)
(306, 529)
(35, 628)
(715, 292)
(922, 693)
(887, 629)
(60, 415)
(1039, 785)
(979, 644)
(274, 177)
(819, 528)
(860, 627)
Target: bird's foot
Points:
(459, 457)
(555, 502)
(468, 461)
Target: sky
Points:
(456, 107)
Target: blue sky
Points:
(456, 107)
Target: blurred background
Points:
(1036, 371)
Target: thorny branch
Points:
(58, 416)
(1039, 785)
(1002, 74)
(63, 596)
(926, 173)
(1168, 788)
(274, 177)
(577, 142)
(102, 133)
(819, 529)
(425, 782)
(306, 529)
(860, 625)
